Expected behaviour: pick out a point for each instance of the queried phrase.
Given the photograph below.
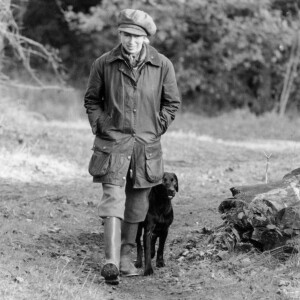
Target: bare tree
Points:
(23, 47)
(4, 12)
(292, 67)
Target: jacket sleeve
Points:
(170, 99)
(93, 99)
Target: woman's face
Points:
(131, 42)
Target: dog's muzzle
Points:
(171, 194)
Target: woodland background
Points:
(228, 54)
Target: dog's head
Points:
(170, 182)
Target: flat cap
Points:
(136, 22)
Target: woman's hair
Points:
(146, 40)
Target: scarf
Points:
(135, 61)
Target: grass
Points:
(67, 105)
(59, 283)
(240, 125)
(64, 104)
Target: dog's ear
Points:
(177, 185)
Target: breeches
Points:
(126, 203)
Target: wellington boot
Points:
(112, 242)
(129, 231)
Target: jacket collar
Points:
(152, 56)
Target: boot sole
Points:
(130, 275)
(113, 281)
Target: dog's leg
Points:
(147, 250)
(139, 248)
(160, 252)
(153, 242)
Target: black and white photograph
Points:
(150, 149)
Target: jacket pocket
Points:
(100, 160)
(154, 162)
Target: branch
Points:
(267, 166)
(23, 46)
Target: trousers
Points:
(126, 203)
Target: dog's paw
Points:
(160, 263)
(148, 271)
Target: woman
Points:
(131, 100)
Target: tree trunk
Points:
(4, 17)
(267, 215)
(264, 89)
(291, 72)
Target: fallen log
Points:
(265, 215)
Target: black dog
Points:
(156, 225)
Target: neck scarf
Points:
(135, 60)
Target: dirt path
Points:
(51, 244)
